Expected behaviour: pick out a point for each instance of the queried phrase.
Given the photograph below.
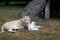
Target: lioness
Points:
(16, 24)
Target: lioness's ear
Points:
(23, 19)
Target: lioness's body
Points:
(16, 24)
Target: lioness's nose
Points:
(26, 23)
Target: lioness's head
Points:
(26, 19)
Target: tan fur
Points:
(19, 24)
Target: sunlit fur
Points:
(16, 24)
(33, 26)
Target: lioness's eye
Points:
(25, 20)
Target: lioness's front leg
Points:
(11, 30)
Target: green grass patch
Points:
(16, 7)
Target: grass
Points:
(50, 29)
(8, 13)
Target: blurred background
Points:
(54, 7)
(14, 2)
